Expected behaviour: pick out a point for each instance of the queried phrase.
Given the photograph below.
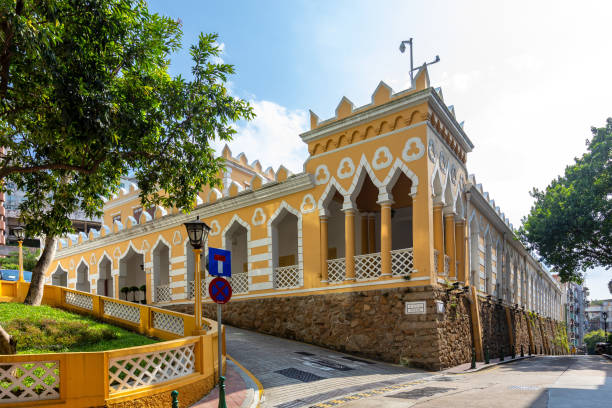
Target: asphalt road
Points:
(540, 382)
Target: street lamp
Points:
(20, 235)
(197, 231)
(605, 318)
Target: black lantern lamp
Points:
(19, 233)
(197, 231)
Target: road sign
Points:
(220, 290)
(219, 262)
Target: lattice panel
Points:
(287, 277)
(436, 258)
(204, 288)
(79, 300)
(122, 311)
(240, 282)
(336, 270)
(446, 264)
(167, 322)
(367, 266)
(402, 262)
(29, 381)
(139, 370)
(163, 293)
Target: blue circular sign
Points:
(220, 290)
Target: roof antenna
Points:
(402, 48)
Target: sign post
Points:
(220, 291)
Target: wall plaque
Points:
(415, 307)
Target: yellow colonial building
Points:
(385, 207)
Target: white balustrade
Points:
(336, 270)
(287, 277)
(163, 293)
(122, 311)
(168, 322)
(25, 381)
(140, 370)
(402, 262)
(240, 282)
(436, 253)
(446, 265)
(79, 300)
(367, 266)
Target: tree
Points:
(570, 223)
(610, 286)
(85, 98)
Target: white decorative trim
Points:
(308, 200)
(71, 265)
(117, 253)
(215, 228)
(162, 240)
(408, 157)
(382, 151)
(246, 225)
(177, 238)
(355, 187)
(178, 272)
(388, 183)
(260, 242)
(260, 286)
(145, 247)
(259, 217)
(328, 194)
(345, 163)
(321, 174)
(92, 259)
(261, 271)
(286, 207)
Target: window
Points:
(137, 212)
(116, 218)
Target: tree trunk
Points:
(8, 345)
(37, 285)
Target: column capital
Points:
(349, 210)
(385, 203)
(438, 206)
(323, 217)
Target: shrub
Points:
(592, 338)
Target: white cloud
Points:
(272, 137)
(219, 59)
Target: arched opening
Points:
(59, 277)
(401, 227)
(105, 279)
(161, 273)
(489, 282)
(132, 275)
(285, 250)
(367, 231)
(336, 266)
(82, 282)
(475, 253)
(190, 273)
(236, 241)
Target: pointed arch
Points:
(394, 173)
(82, 273)
(105, 282)
(437, 188)
(362, 171)
(60, 276)
(332, 188)
(285, 231)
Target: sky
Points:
(528, 78)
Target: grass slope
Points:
(43, 329)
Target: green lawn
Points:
(43, 329)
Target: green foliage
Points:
(43, 329)
(570, 223)
(125, 290)
(560, 338)
(86, 98)
(592, 338)
(12, 261)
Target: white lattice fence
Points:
(336, 270)
(402, 262)
(122, 311)
(139, 370)
(167, 322)
(79, 300)
(204, 288)
(367, 266)
(240, 282)
(163, 293)
(29, 381)
(287, 277)
(446, 264)
(436, 258)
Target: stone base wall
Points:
(369, 323)
(494, 326)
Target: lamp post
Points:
(604, 315)
(197, 231)
(20, 234)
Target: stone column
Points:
(460, 249)
(364, 234)
(385, 237)
(323, 240)
(438, 235)
(349, 242)
(449, 227)
(371, 232)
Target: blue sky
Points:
(528, 78)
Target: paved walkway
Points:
(296, 374)
(240, 391)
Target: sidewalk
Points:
(240, 390)
(465, 368)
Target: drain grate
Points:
(304, 353)
(331, 364)
(299, 375)
(358, 360)
(419, 393)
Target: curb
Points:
(609, 357)
(491, 365)
(253, 382)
